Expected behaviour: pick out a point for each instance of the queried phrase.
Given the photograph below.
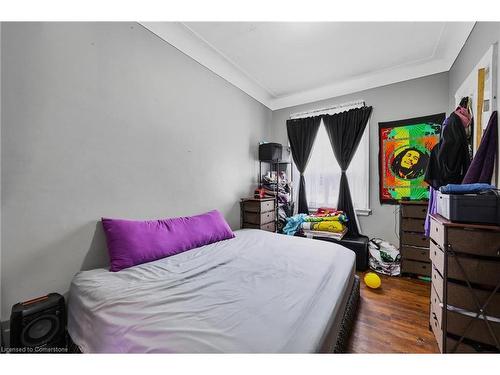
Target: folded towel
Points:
(465, 188)
(339, 217)
(319, 233)
(325, 226)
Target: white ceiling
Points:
(282, 64)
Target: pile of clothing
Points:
(277, 185)
(325, 222)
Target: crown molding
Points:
(362, 83)
(453, 37)
(181, 37)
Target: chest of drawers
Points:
(258, 213)
(413, 244)
(465, 293)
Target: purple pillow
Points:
(132, 242)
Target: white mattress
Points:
(259, 292)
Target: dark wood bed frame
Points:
(349, 318)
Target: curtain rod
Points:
(349, 104)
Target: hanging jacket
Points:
(449, 159)
(481, 168)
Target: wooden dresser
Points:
(413, 244)
(465, 284)
(258, 213)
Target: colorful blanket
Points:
(334, 226)
(339, 217)
(324, 220)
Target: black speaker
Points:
(39, 323)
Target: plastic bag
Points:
(384, 257)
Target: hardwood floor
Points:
(393, 318)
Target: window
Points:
(323, 172)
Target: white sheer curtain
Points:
(323, 172)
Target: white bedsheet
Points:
(259, 292)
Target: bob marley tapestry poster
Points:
(405, 146)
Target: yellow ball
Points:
(372, 280)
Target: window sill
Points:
(363, 212)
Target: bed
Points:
(259, 292)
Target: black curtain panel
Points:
(345, 130)
(301, 134)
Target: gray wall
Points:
(1, 287)
(106, 119)
(417, 97)
(480, 40)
